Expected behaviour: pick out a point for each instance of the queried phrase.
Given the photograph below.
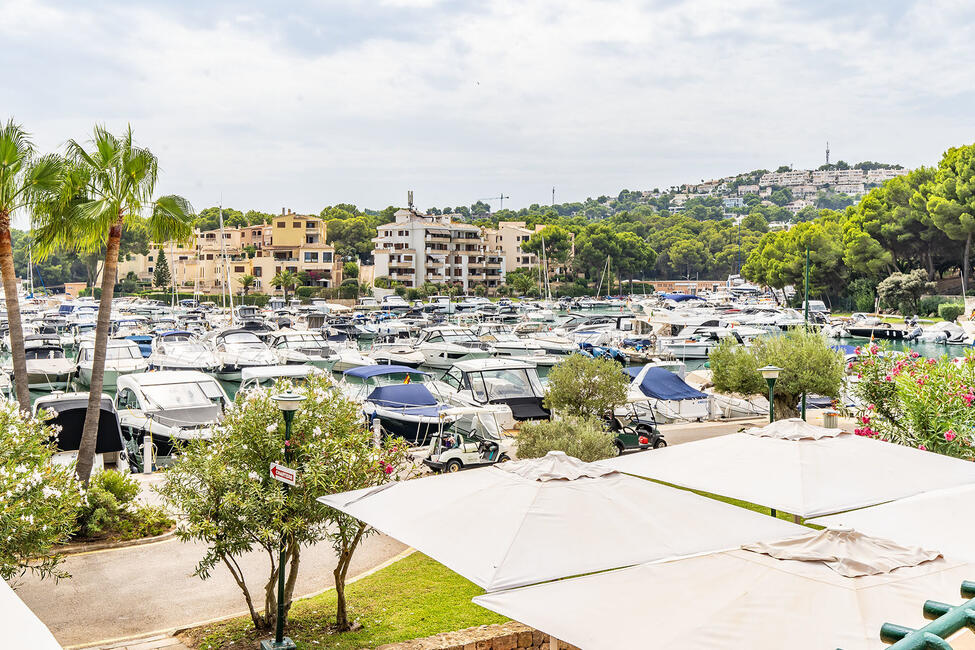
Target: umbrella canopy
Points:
(21, 628)
(743, 598)
(785, 466)
(937, 519)
(528, 521)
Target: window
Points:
(311, 224)
(150, 258)
(238, 269)
(150, 269)
(326, 257)
(209, 256)
(281, 224)
(296, 224)
(311, 257)
(257, 272)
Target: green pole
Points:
(771, 395)
(280, 642)
(807, 324)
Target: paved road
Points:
(142, 589)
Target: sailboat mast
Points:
(226, 293)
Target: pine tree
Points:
(162, 278)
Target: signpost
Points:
(281, 473)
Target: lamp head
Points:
(770, 372)
(289, 400)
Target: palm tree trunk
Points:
(89, 435)
(13, 314)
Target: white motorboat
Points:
(266, 376)
(240, 348)
(48, 368)
(172, 407)
(122, 357)
(507, 344)
(65, 413)
(181, 350)
(304, 347)
(396, 353)
(509, 387)
(443, 346)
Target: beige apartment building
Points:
(417, 248)
(292, 242)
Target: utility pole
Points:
(553, 196)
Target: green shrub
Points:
(582, 437)
(107, 501)
(586, 387)
(928, 305)
(305, 292)
(950, 311)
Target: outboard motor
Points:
(915, 334)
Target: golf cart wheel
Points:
(619, 448)
(504, 458)
(660, 442)
(453, 465)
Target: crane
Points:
(500, 198)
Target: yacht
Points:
(443, 346)
(181, 350)
(267, 375)
(510, 387)
(239, 348)
(121, 358)
(65, 413)
(304, 347)
(391, 350)
(48, 368)
(172, 407)
(508, 344)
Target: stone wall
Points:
(509, 636)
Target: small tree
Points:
(901, 291)
(584, 438)
(950, 311)
(41, 499)
(350, 270)
(246, 282)
(161, 277)
(227, 500)
(586, 387)
(808, 365)
(286, 280)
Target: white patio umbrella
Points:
(529, 521)
(746, 598)
(799, 468)
(937, 519)
(21, 628)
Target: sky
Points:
(306, 104)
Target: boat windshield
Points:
(114, 353)
(490, 385)
(182, 395)
(241, 338)
(302, 342)
(454, 337)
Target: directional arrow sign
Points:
(283, 474)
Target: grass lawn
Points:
(415, 597)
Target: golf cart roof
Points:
(274, 372)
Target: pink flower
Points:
(920, 382)
(931, 362)
(859, 375)
(849, 366)
(870, 407)
(865, 419)
(922, 447)
(914, 355)
(388, 469)
(888, 378)
(856, 350)
(950, 435)
(287, 443)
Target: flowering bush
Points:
(38, 499)
(228, 500)
(911, 400)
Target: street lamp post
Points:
(770, 373)
(288, 403)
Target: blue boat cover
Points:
(364, 372)
(680, 297)
(660, 383)
(845, 349)
(402, 395)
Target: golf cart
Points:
(475, 439)
(635, 426)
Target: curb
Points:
(174, 631)
(79, 548)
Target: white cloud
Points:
(462, 103)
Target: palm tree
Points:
(246, 282)
(286, 280)
(107, 187)
(25, 182)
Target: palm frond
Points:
(171, 220)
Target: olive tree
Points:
(227, 500)
(586, 387)
(40, 501)
(809, 365)
(902, 290)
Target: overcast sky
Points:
(305, 104)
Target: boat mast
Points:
(226, 274)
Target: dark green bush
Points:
(949, 311)
(584, 438)
(110, 509)
(928, 305)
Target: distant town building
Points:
(747, 189)
(734, 202)
(416, 248)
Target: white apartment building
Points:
(747, 189)
(850, 188)
(417, 248)
(508, 238)
(791, 177)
